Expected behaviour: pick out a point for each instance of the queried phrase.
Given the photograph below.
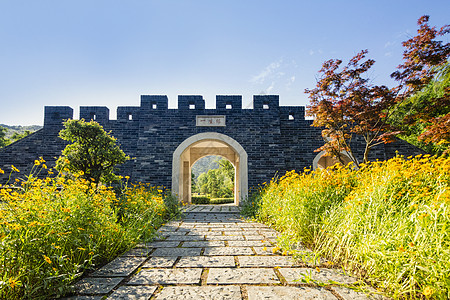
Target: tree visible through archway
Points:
(212, 180)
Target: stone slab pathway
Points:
(211, 253)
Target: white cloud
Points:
(266, 73)
(270, 88)
(290, 82)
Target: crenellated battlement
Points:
(260, 142)
(158, 104)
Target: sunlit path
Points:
(212, 253)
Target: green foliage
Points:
(3, 139)
(407, 112)
(55, 228)
(386, 222)
(200, 199)
(92, 151)
(218, 183)
(221, 200)
(17, 136)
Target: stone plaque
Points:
(215, 121)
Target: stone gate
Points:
(164, 143)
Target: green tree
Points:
(217, 182)
(92, 151)
(3, 140)
(17, 136)
(431, 100)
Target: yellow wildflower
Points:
(37, 163)
(47, 259)
(13, 282)
(14, 169)
(2, 172)
(82, 249)
(427, 291)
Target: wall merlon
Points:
(191, 102)
(128, 113)
(262, 102)
(227, 102)
(292, 112)
(154, 102)
(99, 114)
(55, 115)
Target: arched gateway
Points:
(201, 145)
(262, 142)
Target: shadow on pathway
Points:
(211, 253)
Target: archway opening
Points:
(212, 180)
(323, 161)
(205, 144)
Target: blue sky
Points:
(108, 53)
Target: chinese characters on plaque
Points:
(217, 121)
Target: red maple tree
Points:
(424, 59)
(345, 102)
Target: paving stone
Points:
(203, 233)
(217, 229)
(166, 227)
(138, 252)
(167, 276)
(224, 238)
(230, 292)
(263, 250)
(228, 251)
(288, 293)
(177, 252)
(185, 238)
(119, 267)
(160, 262)
(268, 233)
(349, 294)
(234, 232)
(247, 224)
(127, 292)
(295, 276)
(265, 261)
(206, 261)
(212, 224)
(83, 298)
(172, 233)
(93, 285)
(248, 243)
(162, 244)
(204, 244)
(241, 276)
(254, 237)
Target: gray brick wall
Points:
(276, 138)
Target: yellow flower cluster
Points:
(65, 222)
(389, 218)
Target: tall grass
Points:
(387, 222)
(52, 229)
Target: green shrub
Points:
(221, 200)
(387, 222)
(200, 200)
(53, 229)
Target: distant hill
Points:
(19, 129)
(204, 164)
